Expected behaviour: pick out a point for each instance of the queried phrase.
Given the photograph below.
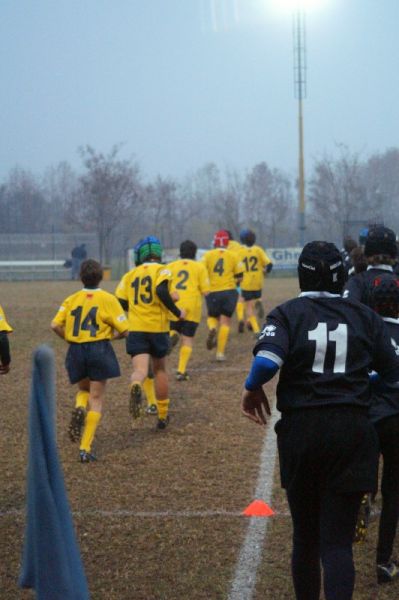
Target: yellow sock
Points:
(91, 424)
(82, 398)
(212, 322)
(240, 311)
(254, 324)
(149, 390)
(223, 335)
(184, 357)
(163, 408)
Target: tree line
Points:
(109, 197)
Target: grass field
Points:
(158, 517)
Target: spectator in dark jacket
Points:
(78, 254)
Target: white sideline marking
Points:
(243, 585)
(190, 514)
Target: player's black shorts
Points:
(143, 342)
(93, 360)
(337, 447)
(251, 295)
(221, 303)
(187, 328)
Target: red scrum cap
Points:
(221, 239)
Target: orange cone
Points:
(258, 508)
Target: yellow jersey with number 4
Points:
(190, 280)
(90, 315)
(222, 266)
(146, 312)
(4, 326)
(255, 260)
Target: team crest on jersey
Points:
(269, 331)
(396, 347)
(121, 318)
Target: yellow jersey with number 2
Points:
(190, 280)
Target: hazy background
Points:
(184, 82)
(176, 117)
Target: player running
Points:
(256, 265)
(381, 251)
(145, 293)
(225, 272)
(5, 356)
(190, 281)
(325, 346)
(87, 320)
(384, 413)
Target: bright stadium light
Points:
(292, 5)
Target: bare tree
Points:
(268, 201)
(109, 190)
(337, 195)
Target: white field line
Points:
(244, 582)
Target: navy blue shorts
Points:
(93, 360)
(221, 303)
(187, 328)
(251, 294)
(143, 342)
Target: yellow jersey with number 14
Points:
(146, 312)
(90, 315)
(190, 280)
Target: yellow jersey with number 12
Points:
(146, 312)
(254, 259)
(90, 315)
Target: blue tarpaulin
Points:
(51, 562)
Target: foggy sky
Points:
(184, 82)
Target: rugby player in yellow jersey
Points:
(144, 293)
(88, 320)
(225, 272)
(256, 264)
(5, 357)
(190, 281)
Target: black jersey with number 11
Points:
(326, 345)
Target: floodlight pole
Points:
(299, 38)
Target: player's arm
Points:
(116, 318)
(58, 323)
(5, 356)
(266, 262)
(121, 293)
(162, 291)
(58, 329)
(269, 355)
(238, 272)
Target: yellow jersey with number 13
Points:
(146, 312)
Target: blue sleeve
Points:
(262, 370)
